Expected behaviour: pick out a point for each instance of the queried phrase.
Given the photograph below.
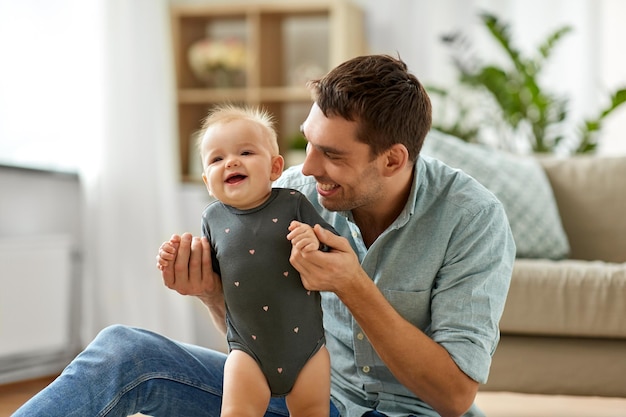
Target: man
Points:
(412, 290)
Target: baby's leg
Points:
(310, 396)
(246, 392)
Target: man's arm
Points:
(432, 375)
(185, 264)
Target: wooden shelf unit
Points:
(279, 36)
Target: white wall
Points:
(612, 68)
(585, 65)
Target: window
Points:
(49, 81)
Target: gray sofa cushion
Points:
(566, 298)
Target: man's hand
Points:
(185, 264)
(334, 270)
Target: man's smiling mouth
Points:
(326, 187)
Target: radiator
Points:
(38, 302)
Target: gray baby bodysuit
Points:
(269, 313)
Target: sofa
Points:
(563, 329)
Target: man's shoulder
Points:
(293, 178)
(443, 182)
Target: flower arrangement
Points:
(218, 62)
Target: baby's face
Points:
(239, 165)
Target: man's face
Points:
(347, 176)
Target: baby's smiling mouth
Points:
(235, 178)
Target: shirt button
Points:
(366, 369)
(360, 336)
(355, 235)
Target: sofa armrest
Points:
(590, 192)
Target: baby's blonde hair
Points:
(225, 113)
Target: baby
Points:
(274, 325)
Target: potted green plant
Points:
(512, 97)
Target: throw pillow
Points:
(519, 182)
(590, 193)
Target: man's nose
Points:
(311, 164)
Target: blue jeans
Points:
(125, 371)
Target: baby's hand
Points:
(167, 252)
(303, 237)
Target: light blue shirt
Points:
(444, 264)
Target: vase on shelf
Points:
(223, 78)
(218, 63)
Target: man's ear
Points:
(278, 164)
(396, 159)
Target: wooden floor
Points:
(496, 404)
(12, 396)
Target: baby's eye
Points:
(246, 153)
(215, 159)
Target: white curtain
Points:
(130, 177)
